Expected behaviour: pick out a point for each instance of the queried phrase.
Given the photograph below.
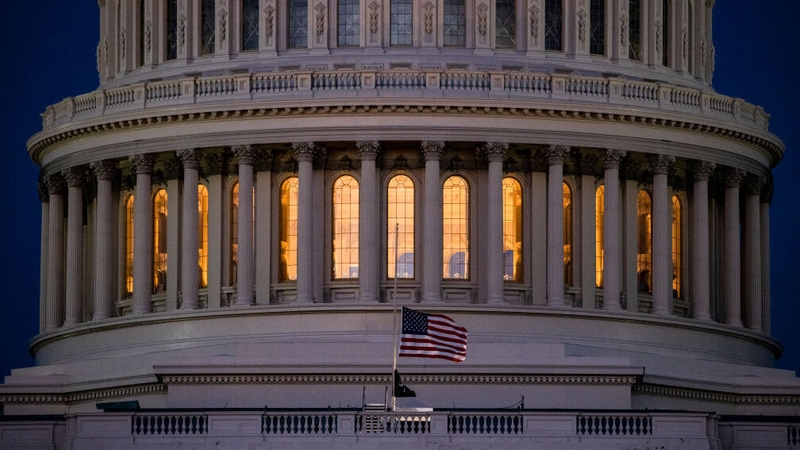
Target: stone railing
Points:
(405, 83)
(169, 424)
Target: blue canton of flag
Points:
(432, 336)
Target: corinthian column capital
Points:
(495, 151)
(733, 177)
(304, 151)
(368, 150)
(190, 158)
(74, 176)
(612, 158)
(754, 185)
(55, 184)
(556, 154)
(245, 154)
(661, 164)
(143, 164)
(702, 170)
(432, 150)
(104, 170)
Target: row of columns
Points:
(63, 298)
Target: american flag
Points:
(432, 336)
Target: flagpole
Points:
(394, 316)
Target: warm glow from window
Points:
(567, 203)
(288, 230)
(599, 217)
(676, 247)
(512, 230)
(234, 233)
(202, 250)
(129, 246)
(455, 226)
(644, 238)
(345, 228)
(400, 212)
(160, 241)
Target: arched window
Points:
(160, 241)
(644, 239)
(348, 19)
(599, 247)
(455, 226)
(250, 18)
(202, 249)
(597, 27)
(455, 23)
(512, 230)
(677, 223)
(129, 246)
(400, 212)
(172, 29)
(567, 204)
(553, 25)
(234, 234)
(634, 30)
(207, 26)
(288, 230)
(667, 32)
(345, 228)
(298, 23)
(505, 29)
(400, 22)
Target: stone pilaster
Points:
(304, 154)
(555, 226)
(432, 233)
(369, 237)
(245, 265)
(142, 234)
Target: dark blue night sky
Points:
(48, 53)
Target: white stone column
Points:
(55, 253)
(555, 226)
(731, 265)
(190, 276)
(142, 234)
(43, 249)
(612, 261)
(751, 275)
(432, 254)
(104, 255)
(701, 250)
(369, 238)
(537, 273)
(765, 267)
(304, 154)
(263, 232)
(75, 178)
(245, 268)
(662, 235)
(495, 153)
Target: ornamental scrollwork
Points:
(483, 17)
(685, 43)
(269, 20)
(182, 29)
(659, 36)
(582, 23)
(432, 150)
(320, 18)
(223, 24)
(373, 16)
(148, 35)
(623, 28)
(428, 7)
(122, 39)
(556, 154)
(533, 11)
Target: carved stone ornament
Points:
(432, 150)
(374, 7)
(104, 170)
(269, 20)
(702, 170)
(148, 35)
(703, 52)
(98, 55)
(623, 28)
(556, 154)
(215, 163)
(143, 164)
(685, 43)
(483, 17)
(612, 158)
(733, 177)
(428, 7)
(182, 29)
(122, 42)
(495, 151)
(55, 184)
(303, 151)
(74, 176)
(368, 150)
(245, 154)
(659, 34)
(223, 22)
(105, 52)
(661, 164)
(320, 16)
(754, 185)
(582, 24)
(190, 158)
(533, 12)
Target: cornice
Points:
(83, 396)
(716, 396)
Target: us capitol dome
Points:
(230, 220)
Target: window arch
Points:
(599, 244)
(234, 233)
(250, 18)
(644, 239)
(567, 205)
(160, 241)
(553, 25)
(129, 246)
(288, 230)
(202, 249)
(677, 229)
(455, 228)
(345, 228)
(512, 230)
(400, 211)
(505, 31)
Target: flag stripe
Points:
(432, 336)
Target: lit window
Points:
(567, 204)
(400, 212)
(597, 27)
(634, 30)
(298, 23)
(599, 217)
(250, 18)
(512, 230)
(666, 36)
(553, 25)
(129, 247)
(455, 23)
(160, 241)
(345, 227)
(505, 35)
(234, 233)
(400, 22)
(202, 250)
(644, 234)
(455, 226)
(288, 230)
(172, 29)
(348, 31)
(207, 27)
(676, 247)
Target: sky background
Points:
(48, 53)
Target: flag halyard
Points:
(432, 336)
